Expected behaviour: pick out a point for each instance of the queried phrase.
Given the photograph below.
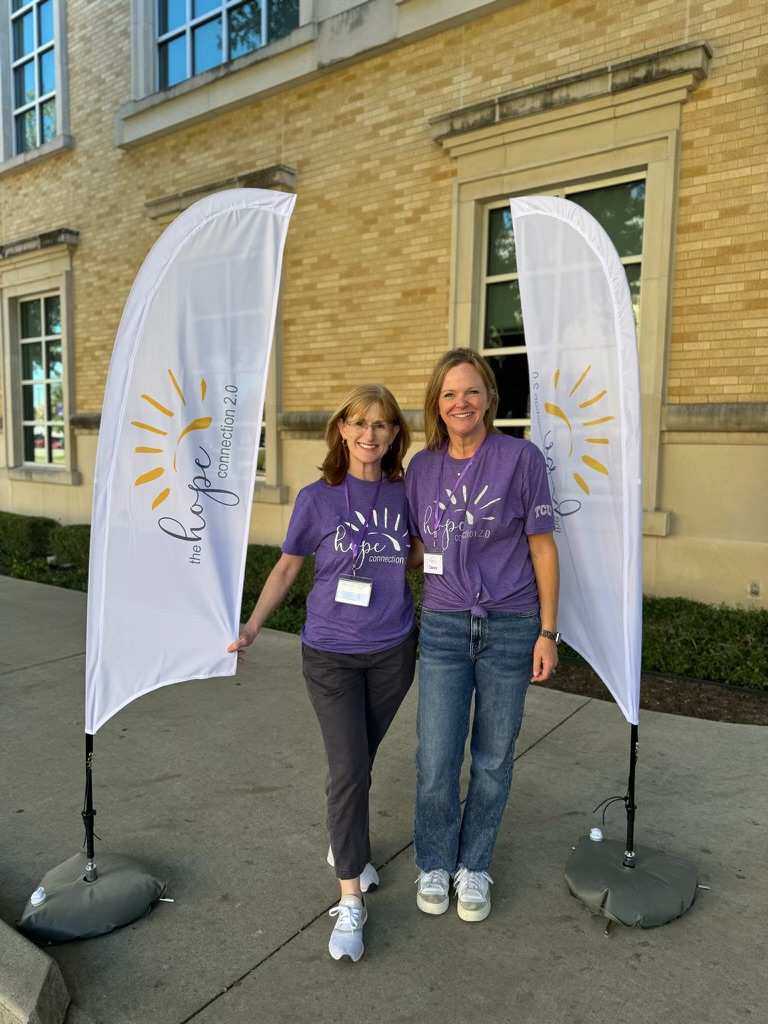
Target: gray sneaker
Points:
(473, 894)
(346, 940)
(433, 894)
(369, 880)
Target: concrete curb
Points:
(32, 989)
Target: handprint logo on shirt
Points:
(459, 515)
(385, 540)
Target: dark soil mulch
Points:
(673, 695)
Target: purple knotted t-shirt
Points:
(482, 529)
(322, 525)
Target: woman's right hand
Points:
(246, 638)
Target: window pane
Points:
(511, 373)
(501, 243)
(48, 112)
(53, 315)
(31, 324)
(34, 444)
(206, 46)
(55, 402)
(26, 131)
(24, 84)
(54, 360)
(633, 279)
(56, 444)
(503, 315)
(244, 29)
(173, 62)
(23, 35)
(45, 24)
(283, 17)
(171, 14)
(47, 72)
(32, 361)
(619, 210)
(200, 7)
(33, 401)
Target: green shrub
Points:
(71, 545)
(702, 641)
(23, 538)
(259, 562)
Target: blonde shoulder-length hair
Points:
(355, 406)
(434, 429)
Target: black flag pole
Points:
(629, 852)
(88, 811)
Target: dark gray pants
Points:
(355, 697)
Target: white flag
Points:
(177, 451)
(585, 417)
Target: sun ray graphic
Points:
(569, 414)
(198, 423)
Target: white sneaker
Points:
(369, 880)
(347, 935)
(433, 893)
(473, 894)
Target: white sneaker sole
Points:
(474, 914)
(431, 908)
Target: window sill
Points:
(270, 494)
(23, 160)
(44, 475)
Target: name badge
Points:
(354, 590)
(433, 563)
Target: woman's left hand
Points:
(544, 659)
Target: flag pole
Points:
(629, 852)
(88, 811)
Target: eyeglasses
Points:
(361, 426)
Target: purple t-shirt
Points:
(322, 525)
(483, 528)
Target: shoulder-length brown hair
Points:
(355, 406)
(434, 429)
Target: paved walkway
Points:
(218, 786)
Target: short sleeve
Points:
(303, 535)
(537, 501)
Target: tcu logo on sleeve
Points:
(543, 510)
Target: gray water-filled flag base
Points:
(658, 889)
(76, 909)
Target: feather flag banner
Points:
(585, 417)
(177, 451)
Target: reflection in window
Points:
(620, 210)
(33, 73)
(196, 35)
(42, 381)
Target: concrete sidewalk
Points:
(218, 786)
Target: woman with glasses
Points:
(359, 638)
(480, 507)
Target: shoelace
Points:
(432, 884)
(468, 884)
(349, 917)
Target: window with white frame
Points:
(39, 327)
(33, 72)
(196, 35)
(619, 207)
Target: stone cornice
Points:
(690, 60)
(278, 176)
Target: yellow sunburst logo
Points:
(571, 413)
(171, 450)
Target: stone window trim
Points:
(11, 163)
(31, 266)
(619, 120)
(278, 177)
(329, 36)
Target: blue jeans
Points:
(461, 654)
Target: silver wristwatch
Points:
(550, 636)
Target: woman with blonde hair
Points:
(481, 510)
(359, 639)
